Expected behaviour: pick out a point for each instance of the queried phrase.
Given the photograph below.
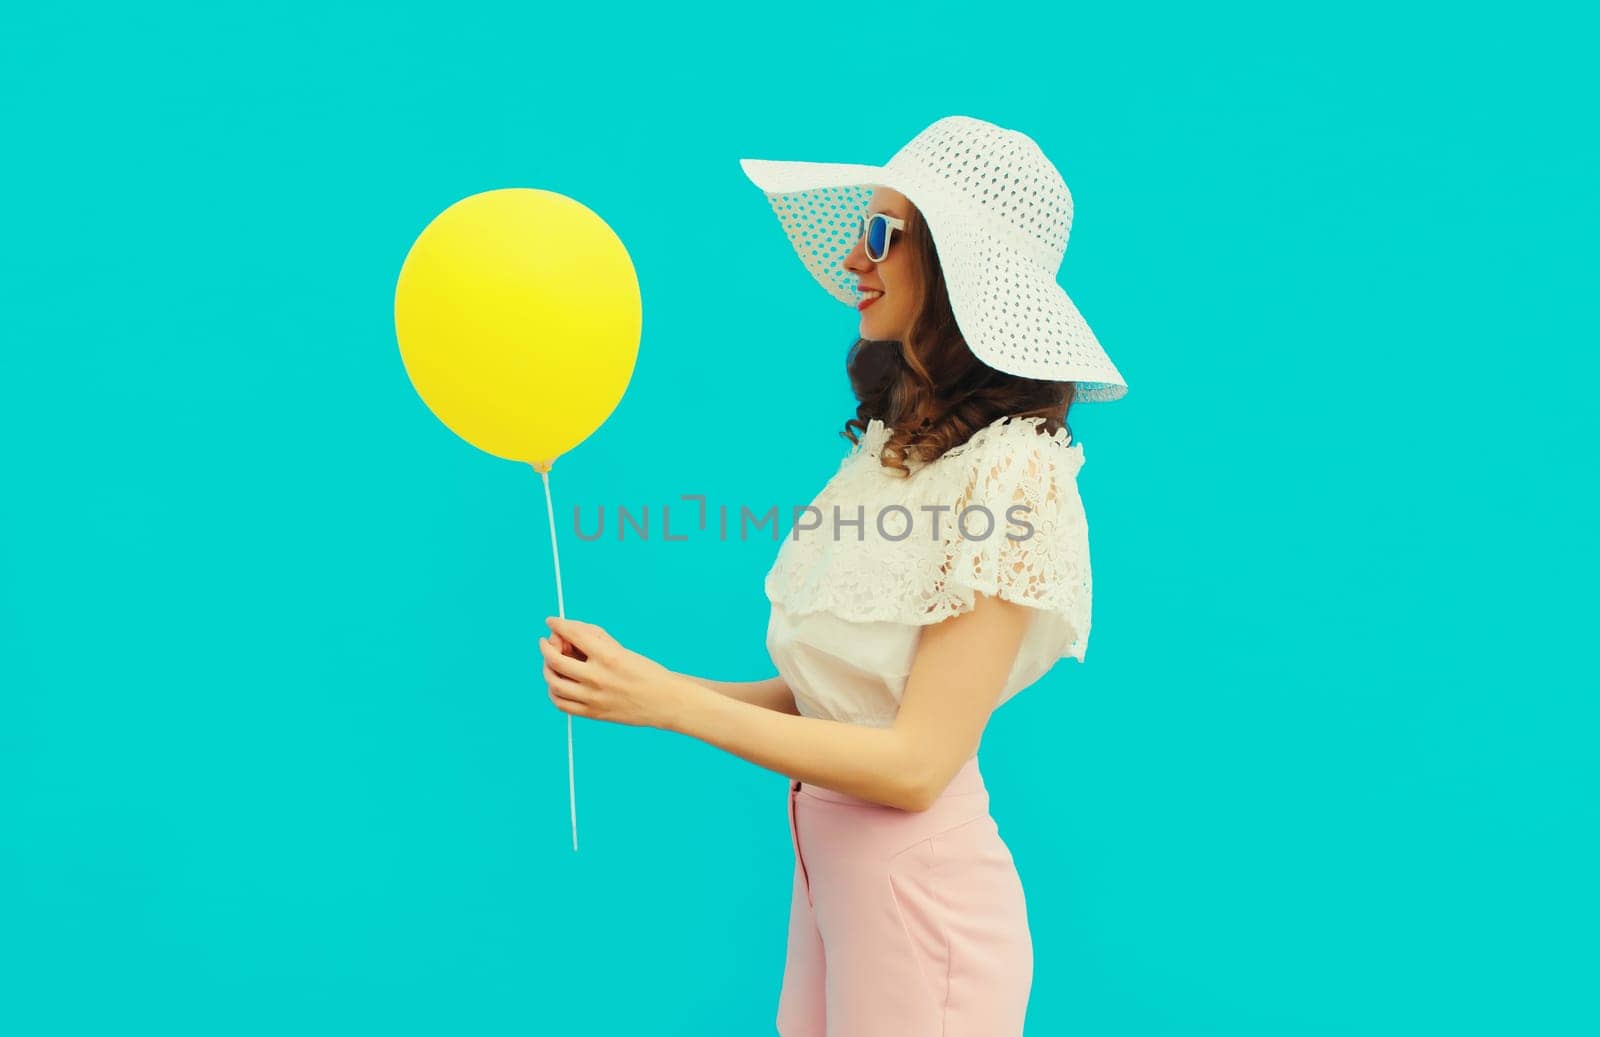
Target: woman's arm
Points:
(960, 668)
(869, 762)
(958, 673)
(772, 693)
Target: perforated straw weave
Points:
(999, 213)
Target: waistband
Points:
(968, 780)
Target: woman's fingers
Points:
(569, 694)
(566, 647)
(586, 638)
(572, 706)
(565, 687)
(555, 659)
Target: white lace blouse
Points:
(878, 555)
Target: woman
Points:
(942, 569)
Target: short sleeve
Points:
(1020, 532)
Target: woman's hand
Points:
(590, 675)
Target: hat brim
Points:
(1012, 313)
(817, 204)
(775, 177)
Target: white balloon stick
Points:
(543, 468)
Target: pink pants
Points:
(903, 923)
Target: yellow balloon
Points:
(518, 315)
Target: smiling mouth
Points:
(871, 298)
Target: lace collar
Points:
(1006, 427)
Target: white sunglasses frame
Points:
(864, 220)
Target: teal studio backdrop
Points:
(275, 751)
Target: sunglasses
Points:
(878, 230)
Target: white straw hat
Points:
(999, 213)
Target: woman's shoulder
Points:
(1010, 434)
(1006, 436)
(1007, 451)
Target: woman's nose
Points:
(856, 258)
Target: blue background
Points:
(275, 752)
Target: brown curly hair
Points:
(930, 390)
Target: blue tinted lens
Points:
(877, 236)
